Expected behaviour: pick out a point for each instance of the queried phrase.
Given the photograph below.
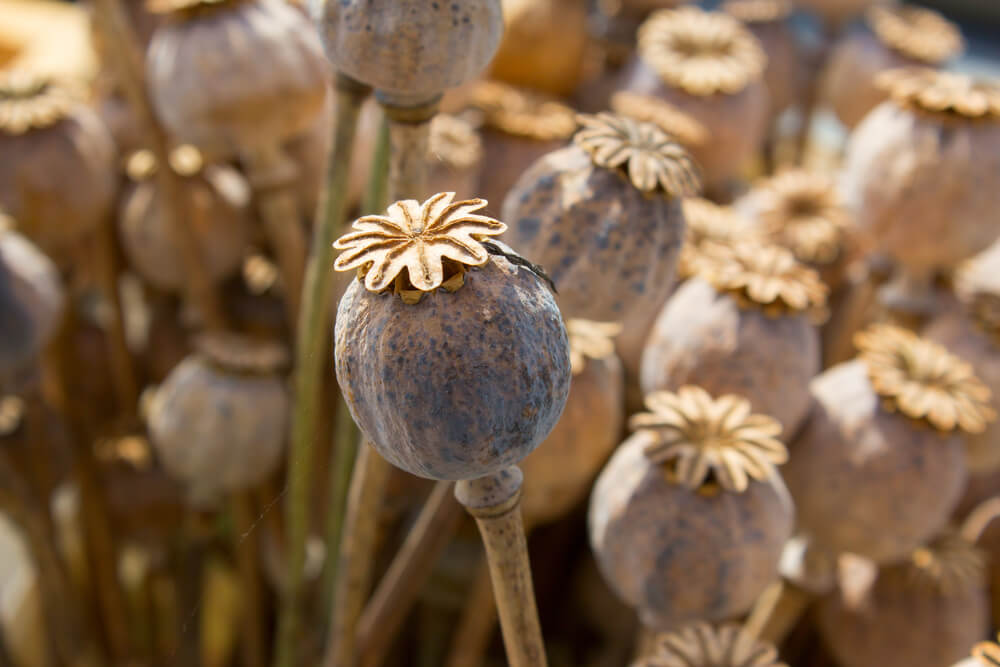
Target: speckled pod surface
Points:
(898, 624)
(867, 481)
(59, 182)
(508, 157)
(610, 249)
(848, 80)
(679, 555)
(216, 431)
(411, 49)
(963, 338)
(557, 475)
(218, 216)
(704, 337)
(460, 384)
(736, 124)
(927, 191)
(242, 76)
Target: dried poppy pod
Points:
(219, 420)
(743, 323)
(893, 37)
(935, 601)
(880, 464)
(711, 228)
(709, 66)
(701, 645)
(604, 217)
(921, 175)
(543, 45)
(769, 22)
(518, 128)
(57, 176)
(265, 82)
(689, 516)
(683, 127)
(558, 474)
(411, 50)
(803, 211)
(219, 198)
(453, 360)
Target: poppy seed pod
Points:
(219, 420)
(701, 645)
(219, 197)
(604, 217)
(893, 37)
(57, 175)
(411, 50)
(936, 599)
(688, 518)
(710, 67)
(880, 464)
(233, 76)
(922, 172)
(558, 474)
(743, 324)
(837, 12)
(450, 351)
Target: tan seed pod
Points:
(741, 325)
(702, 645)
(895, 37)
(707, 65)
(559, 473)
(688, 518)
(871, 481)
(468, 370)
(57, 177)
(936, 599)
(604, 217)
(920, 171)
(219, 198)
(266, 79)
(219, 420)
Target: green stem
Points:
(376, 196)
(310, 362)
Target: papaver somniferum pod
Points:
(450, 350)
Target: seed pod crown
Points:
(522, 113)
(948, 565)
(710, 228)
(648, 109)
(697, 436)
(701, 645)
(758, 11)
(944, 94)
(920, 34)
(590, 340)
(31, 102)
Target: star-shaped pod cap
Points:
(33, 102)
(590, 340)
(703, 439)
(688, 130)
(924, 381)
(418, 247)
(701, 645)
(710, 228)
(702, 53)
(648, 156)
(920, 34)
(758, 11)
(947, 94)
(987, 653)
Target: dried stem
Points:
(847, 318)
(494, 501)
(127, 56)
(980, 518)
(407, 574)
(777, 611)
(356, 556)
(311, 346)
(247, 559)
(376, 198)
(475, 628)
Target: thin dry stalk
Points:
(777, 611)
(247, 558)
(980, 518)
(407, 574)
(494, 501)
(479, 619)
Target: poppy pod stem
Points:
(247, 559)
(777, 611)
(399, 587)
(409, 133)
(475, 627)
(494, 501)
(980, 518)
(311, 341)
(126, 54)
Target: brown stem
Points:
(409, 133)
(127, 57)
(475, 628)
(272, 175)
(407, 574)
(980, 518)
(645, 642)
(777, 611)
(123, 374)
(494, 501)
(356, 558)
(848, 316)
(247, 559)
